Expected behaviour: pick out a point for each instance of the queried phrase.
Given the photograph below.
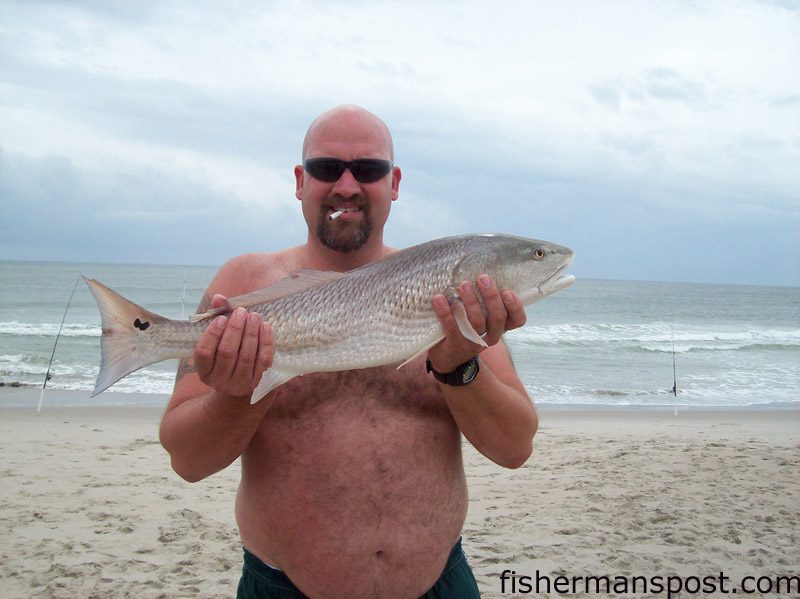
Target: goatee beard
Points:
(344, 237)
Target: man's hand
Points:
(234, 351)
(504, 313)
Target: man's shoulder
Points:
(257, 260)
(247, 272)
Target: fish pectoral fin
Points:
(270, 380)
(421, 352)
(464, 325)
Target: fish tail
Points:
(126, 344)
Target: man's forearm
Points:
(498, 419)
(205, 434)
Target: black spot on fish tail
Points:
(142, 326)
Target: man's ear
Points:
(299, 176)
(396, 176)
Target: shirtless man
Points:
(352, 482)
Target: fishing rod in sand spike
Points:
(674, 371)
(47, 376)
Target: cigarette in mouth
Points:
(336, 214)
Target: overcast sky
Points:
(660, 140)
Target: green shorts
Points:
(260, 581)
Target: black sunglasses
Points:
(365, 170)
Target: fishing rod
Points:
(47, 376)
(674, 371)
(183, 297)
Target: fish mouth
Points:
(557, 281)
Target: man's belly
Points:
(357, 501)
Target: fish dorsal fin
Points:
(295, 283)
(301, 280)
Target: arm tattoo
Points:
(186, 365)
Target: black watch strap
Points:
(463, 375)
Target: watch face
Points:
(470, 372)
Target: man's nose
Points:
(346, 185)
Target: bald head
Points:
(350, 122)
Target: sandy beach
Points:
(89, 506)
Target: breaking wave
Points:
(39, 329)
(656, 337)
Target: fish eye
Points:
(538, 254)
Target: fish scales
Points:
(378, 314)
(371, 317)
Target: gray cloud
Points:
(667, 84)
(169, 113)
(786, 101)
(54, 210)
(655, 84)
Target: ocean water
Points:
(598, 343)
